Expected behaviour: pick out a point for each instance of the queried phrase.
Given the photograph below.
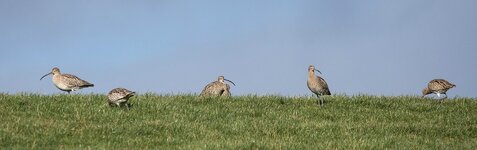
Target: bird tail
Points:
(132, 93)
(88, 85)
(327, 92)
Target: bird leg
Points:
(320, 100)
(127, 105)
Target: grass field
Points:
(243, 122)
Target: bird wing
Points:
(208, 89)
(215, 89)
(227, 86)
(325, 89)
(440, 84)
(226, 91)
(119, 93)
(74, 81)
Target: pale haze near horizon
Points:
(171, 47)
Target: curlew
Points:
(217, 88)
(437, 86)
(316, 84)
(120, 97)
(67, 82)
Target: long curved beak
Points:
(46, 75)
(318, 71)
(229, 81)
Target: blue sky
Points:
(172, 46)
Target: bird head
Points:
(311, 68)
(222, 79)
(425, 91)
(54, 71)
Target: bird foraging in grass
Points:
(437, 86)
(120, 97)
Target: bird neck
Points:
(56, 75)
(311, 74)
(426, 91)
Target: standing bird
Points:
(437, 86)
(67, 82)
(120, 97)
(217, 88)
(316, 84)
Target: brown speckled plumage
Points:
(217, 88)
(67, 82)
(119, 97)
(316, 84)
(438, 86)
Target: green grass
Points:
(244, 122)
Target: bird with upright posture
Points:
(316, 84)
(67, 82)
(120, 97)
(217, 88)
(437, 86)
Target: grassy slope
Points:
(270, 122)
